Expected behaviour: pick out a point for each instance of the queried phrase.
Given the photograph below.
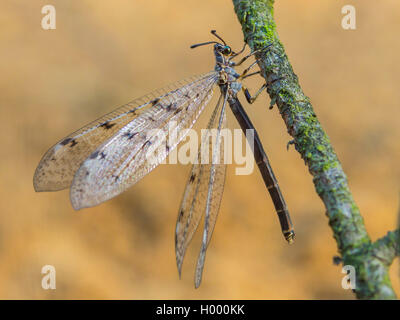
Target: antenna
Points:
(201, 44)
(214, 32)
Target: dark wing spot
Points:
(102, 155)
(186, 95)
(129, 135)
(177, 111)
(152, 119)
(132, 111)
(107, 125)
(66, 141)
(192, 177)
(171, 106)
(115, 178)
(167, 147)
(94, 155)
(155, 101)
(73, 143)
(197, 95)
(181, 214)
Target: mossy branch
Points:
(387, 247)
(371, 260)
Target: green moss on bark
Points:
(313, 144)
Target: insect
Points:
(110, 154)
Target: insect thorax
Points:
(228, 77)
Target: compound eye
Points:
(227, 50)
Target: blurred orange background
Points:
(106, 53)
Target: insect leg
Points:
(251, 54)
(250, 99)
(244, 73)
(235, 54)
(251, 74)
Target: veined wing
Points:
(195, 196)
(59, 164)
(140, 145)
(203, 191)
(214, 195)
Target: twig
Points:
(313, 144)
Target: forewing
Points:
(214, 194)
(137, 148)
(59, 164)
(195, 197)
